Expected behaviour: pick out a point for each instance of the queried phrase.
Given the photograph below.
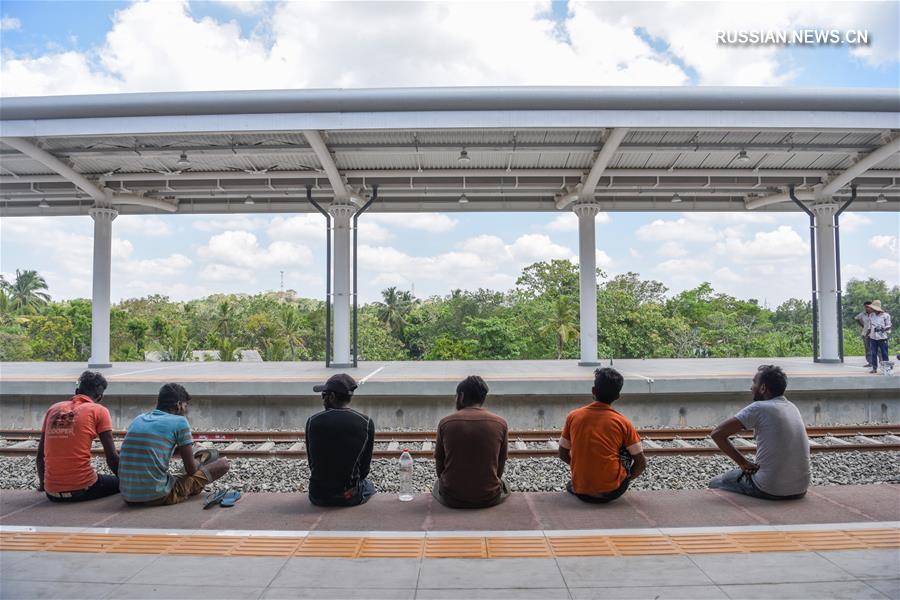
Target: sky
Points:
(72, 47)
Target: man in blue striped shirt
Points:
(151, 441)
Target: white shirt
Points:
(879, 326)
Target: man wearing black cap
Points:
(339, 443)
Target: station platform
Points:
(528, 394)
(838, 542)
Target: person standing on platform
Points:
(151, 441)
(470, 451)
(863, 320)
(781, 470)
(601, 445)
(63, 465)
(879, 332)
(339, 445)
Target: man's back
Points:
(339, 444)
(145, 454)
(470, 453)
(69, 429)
(782, 448)
(596, 434)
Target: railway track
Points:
(522, 444)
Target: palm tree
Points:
(26, 292)
(224, 318)
(393, 311)
(563, 323)
(290, 326)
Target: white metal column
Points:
(341, 214)
(587, 281)
(826, 284)
(103, 218)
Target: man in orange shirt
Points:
(64, 452)
(600, 444)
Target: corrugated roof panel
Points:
(830, 161)
(726, 160)
(711, 137)
(375, 160)
(774, 160)
(464, 137)
(25, 166)
(660, 160)
(892, 162)
(678, 137)
(863, 139)
(629, 160)
(384, 137)
(769, 137)
(644, 137)
(741, 137)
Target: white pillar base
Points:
(341, 214)
(826, 284)
(103, 218)
(587, 281)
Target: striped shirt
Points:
(150, 442)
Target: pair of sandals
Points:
(223, 498)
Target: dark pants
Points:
(741, 483)
(600, 498)
(454, 503)
(867, 343)
(879, 352)
(106, 485)
(354, 497)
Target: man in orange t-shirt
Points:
(601, 445)
(64, 452)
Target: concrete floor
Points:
(830, 574)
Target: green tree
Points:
(550, 280)
(178, 345)
(27, 292)
(394, 309)
(137, 329)
(563, 323)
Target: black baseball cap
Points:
(340, 383)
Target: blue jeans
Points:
(354, 497)
(867, 343)
(742, 483)
(879, 352)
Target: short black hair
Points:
(773, 378)
(867, 303)
(473, 390)
(91, 383)
(607, 384)
(170, 395)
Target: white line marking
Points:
(366, 378)
(141, 371)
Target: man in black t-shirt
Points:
(339, 443)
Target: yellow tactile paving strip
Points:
(452, 547)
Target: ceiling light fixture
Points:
(742, 157)
(676, 198)
(464, 157)
(249, 201)
(43, 203)
(881, 199)
(183, 161)
(463, 199)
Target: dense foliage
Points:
(537, 319)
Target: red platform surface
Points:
(522, 511)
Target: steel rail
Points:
(666, 433)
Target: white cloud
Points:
(241, 249)
(298, 227)
(695, 269)
(782, 244)
(672, 250)
(430, 222)
(235, 223)
(568, 222)
(851, 222)
(884, 243)
(724, 274)
(144, 225)
(10, 24)
(226, 273)
(604, 261)
(679, 230)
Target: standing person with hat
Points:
(339, 445)
(879, 332)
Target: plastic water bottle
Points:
(406, 473)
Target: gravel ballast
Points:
(530, 474)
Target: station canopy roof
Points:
(450, 149)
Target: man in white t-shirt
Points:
(781, 470)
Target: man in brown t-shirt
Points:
(470, 451)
